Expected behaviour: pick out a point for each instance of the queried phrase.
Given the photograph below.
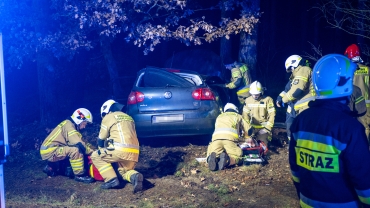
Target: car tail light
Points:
(203, 94)
(135, 97)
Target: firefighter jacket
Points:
(329, 157)
(361, 80)
(120, 128)
(65, 134)
(260, 113)
(240, 77)
(229, 126)
(357, 103)
(301, 91)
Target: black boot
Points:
(84, 179)
(224, 161)
(137, 181)
(212, 161)
(112, 183)
(49, 171)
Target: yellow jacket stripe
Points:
(105, 168)
(305, 79)
(56, 133)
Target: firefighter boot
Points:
(49, 171)
(212, 161)
(137, 181)
(84, 179)
(224, 161)
(112, 183)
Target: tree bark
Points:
(225, 48)
(105, 45)
(248, 45)
(45, 71)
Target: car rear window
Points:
(160, 78)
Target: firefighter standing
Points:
(328, 153)
(224, 151)
(290, 112)
(117, 142)
(361, 80)
(259, 110)
(301, 91)
(65, 142)
(240, 80)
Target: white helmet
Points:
(293, 61)
(255, 88)
(105, 107)
(230, 106)
(82, 114)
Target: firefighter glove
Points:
(263, 131)
(81, 148)
(101, 143)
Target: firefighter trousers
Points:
(103, 162)
(225, 145)
(72, 153)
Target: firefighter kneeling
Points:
(224, 151)
(117, 142)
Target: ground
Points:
(173, 178)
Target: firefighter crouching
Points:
(328, 154)
(224, 151)
(65, 142)
(259, 110)
(117, 142)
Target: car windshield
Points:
(192, 78)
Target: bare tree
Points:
(352, 17)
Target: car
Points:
(173, 102)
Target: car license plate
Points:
(167, 118)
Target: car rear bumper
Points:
(192, 124)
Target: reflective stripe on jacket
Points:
(260, 113)
(329, 157)
(121, 128)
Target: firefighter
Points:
(329, 160)
(240, 80)
(224, 151)
(290, 112)
(65, 142)
(259, 110)
(117, 142)
(361, 80)
(301, 91)
(357, 103)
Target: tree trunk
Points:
(117, 92)
(45, 71)
(225, 48)
(248, 45)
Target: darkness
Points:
(285, 28)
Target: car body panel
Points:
(168, 107)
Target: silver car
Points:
(171, 102)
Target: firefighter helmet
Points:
(352, 51)
(292, 61)
(104, 110)
(332, 76)
(110, 105)
(230, 106)
(82, 114)
(255, 88)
